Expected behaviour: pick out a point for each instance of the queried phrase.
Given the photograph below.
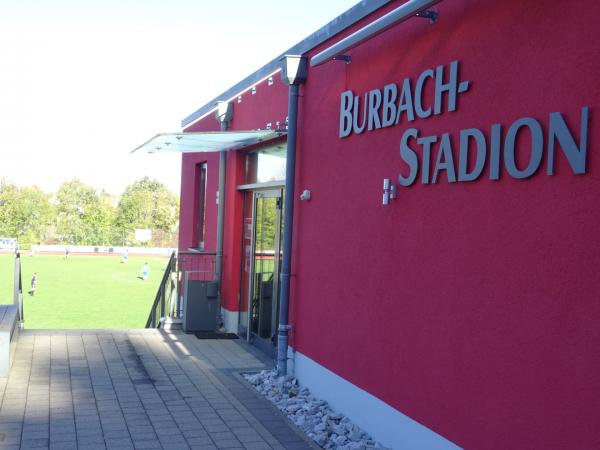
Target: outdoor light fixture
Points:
(389, 191)
(253, 90)
(270, 81)
(346, 58)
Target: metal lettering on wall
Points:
(400, 105)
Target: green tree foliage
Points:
(147, 203)
(78, 215)
(25, 212)
(83, 217)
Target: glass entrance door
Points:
(261, 266)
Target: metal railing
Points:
(201, 264)
(167, 290)
(185, 267)
(18, 289)
(194, 266)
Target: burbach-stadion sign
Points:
(396, 105)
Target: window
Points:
(200, 217)
(266, 164)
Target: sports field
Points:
(84, 291)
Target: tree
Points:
(147, 203)
(82, 216)
(25, 212)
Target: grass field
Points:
(84, 291)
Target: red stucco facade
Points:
(471, 307)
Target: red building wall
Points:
(255, 111)
(471, 307)
(188, 196)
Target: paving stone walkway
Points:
(136, 389)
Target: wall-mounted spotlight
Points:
(429, 14)
(346, 58)
(389, 191)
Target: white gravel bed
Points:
(313, 416)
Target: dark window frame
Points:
(200, 205)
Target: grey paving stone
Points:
(194, 433)
(84, 441)
(132, 423)
(249, 437)
(300, 445)
(228, 443)
(62, 379)
(88, 428)
(114, 426)
(287, 438)
(259, 445)
(175, 446)
(198, 441)
(88, 420)
(238, 424)
(63, 445)
(220, 436)
(167, 431)
(172, 440)
(138, 414)
(11, 440)
(216, 428)
(192, 424)
(146, 444)
(35, 443)
(35, 427)
(63, 437)
(116, 434)
(36, 435)
(118, 443)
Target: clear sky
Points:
(84, 82)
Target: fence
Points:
(166, 298)
(187, 267)
(18, 288)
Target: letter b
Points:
(346, 102)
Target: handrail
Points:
(196, 252)
(18, 288)
(154, 320)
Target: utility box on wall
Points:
(200, 306)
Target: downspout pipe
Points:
(293, 74)
(223, 114)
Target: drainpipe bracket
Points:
(285, 327)
(429, 14)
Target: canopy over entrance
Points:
(209, 141)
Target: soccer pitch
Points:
(84, 291)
